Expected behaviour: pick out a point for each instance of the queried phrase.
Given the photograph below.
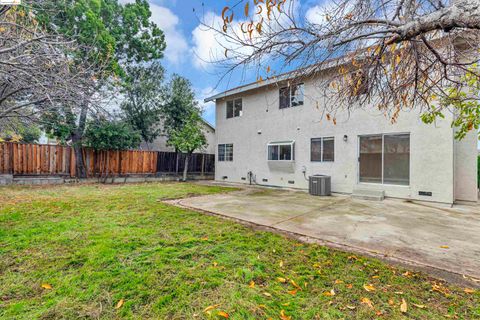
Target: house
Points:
(160, 143)
(266, 139)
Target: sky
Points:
(190, 45)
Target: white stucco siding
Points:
(431, 146)
(466, 188)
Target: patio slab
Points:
(436, 238)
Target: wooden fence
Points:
(198, 163)
(32, 159)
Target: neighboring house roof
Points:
(208, 124)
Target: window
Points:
(234, 108)
(281, 151)
(225, 152)
(322, 149)
(385, 159)
(291, 96)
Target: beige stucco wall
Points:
(432, 164)
(466, 168)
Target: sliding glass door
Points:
(385, 159)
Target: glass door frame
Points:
(383, 157)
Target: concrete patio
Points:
(435, 238)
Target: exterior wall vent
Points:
(425, 193)
(291, 182)
(265, 180)
(243, 178)
(320, 185)
(224, 177)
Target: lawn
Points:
(109, 252)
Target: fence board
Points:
(29, 159)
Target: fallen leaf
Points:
(420, 306)
(215, 263)
(445, 247)
(211, 307)
(295, 285)
(252, 284)
(352, 258)
(398, 292)
(369, 287)
(338, 281)
(469, 291)
(403, 306)
(292, 292)
(378, 313)
(46, 286)
(280, 264)
(204, 238)
(283, 316)
(349, 286)
(375, 277)
(266, 294)
(367, 301)
(286, 304)
(351, 307)
(282, 280)
(120, 304)
(223, 314)
(391, 302)
(262, 306)
(329, 293)
(305, 284)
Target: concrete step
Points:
(368, 194)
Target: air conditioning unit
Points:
(320, 185)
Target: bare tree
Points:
(36, 72)
(392, 54)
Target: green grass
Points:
(96, 245)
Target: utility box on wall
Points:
(320, 185)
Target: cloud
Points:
(209, 45)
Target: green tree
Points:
(464, 100)
(110, 36)
(143, 99)
(20, 130)
(188, 138)
(178, 106)
(103, 134)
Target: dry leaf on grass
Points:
(338, 281)
(292, 292)
(46, 286)
(445, 247)
(211, 307)
(266, 294)
(329, 293)
(120, 304)
(469, 291)
(252, 284)
(367, 301)
(295, 285)
(223, 314)
(403, 306)
(283, 316)
(282, 280)
(369, 287)
(419, 306)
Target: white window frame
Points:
(224, 145)
(290, 95)
(282, 143)
(233, 101)
(321, 148)
(383, 159)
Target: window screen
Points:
(322, 149)
(225, 152)
(297, 95)
(234, 108)
(281, 151)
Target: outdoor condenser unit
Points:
(320, 185)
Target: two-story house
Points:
(272, 133)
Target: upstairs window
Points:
(322, 149)
(225, 152)
(291, 96)
(234, 108)
(282, 151)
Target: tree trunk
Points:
(77, 137)
(185, 170)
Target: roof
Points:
(279, 78)
(208, 124)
